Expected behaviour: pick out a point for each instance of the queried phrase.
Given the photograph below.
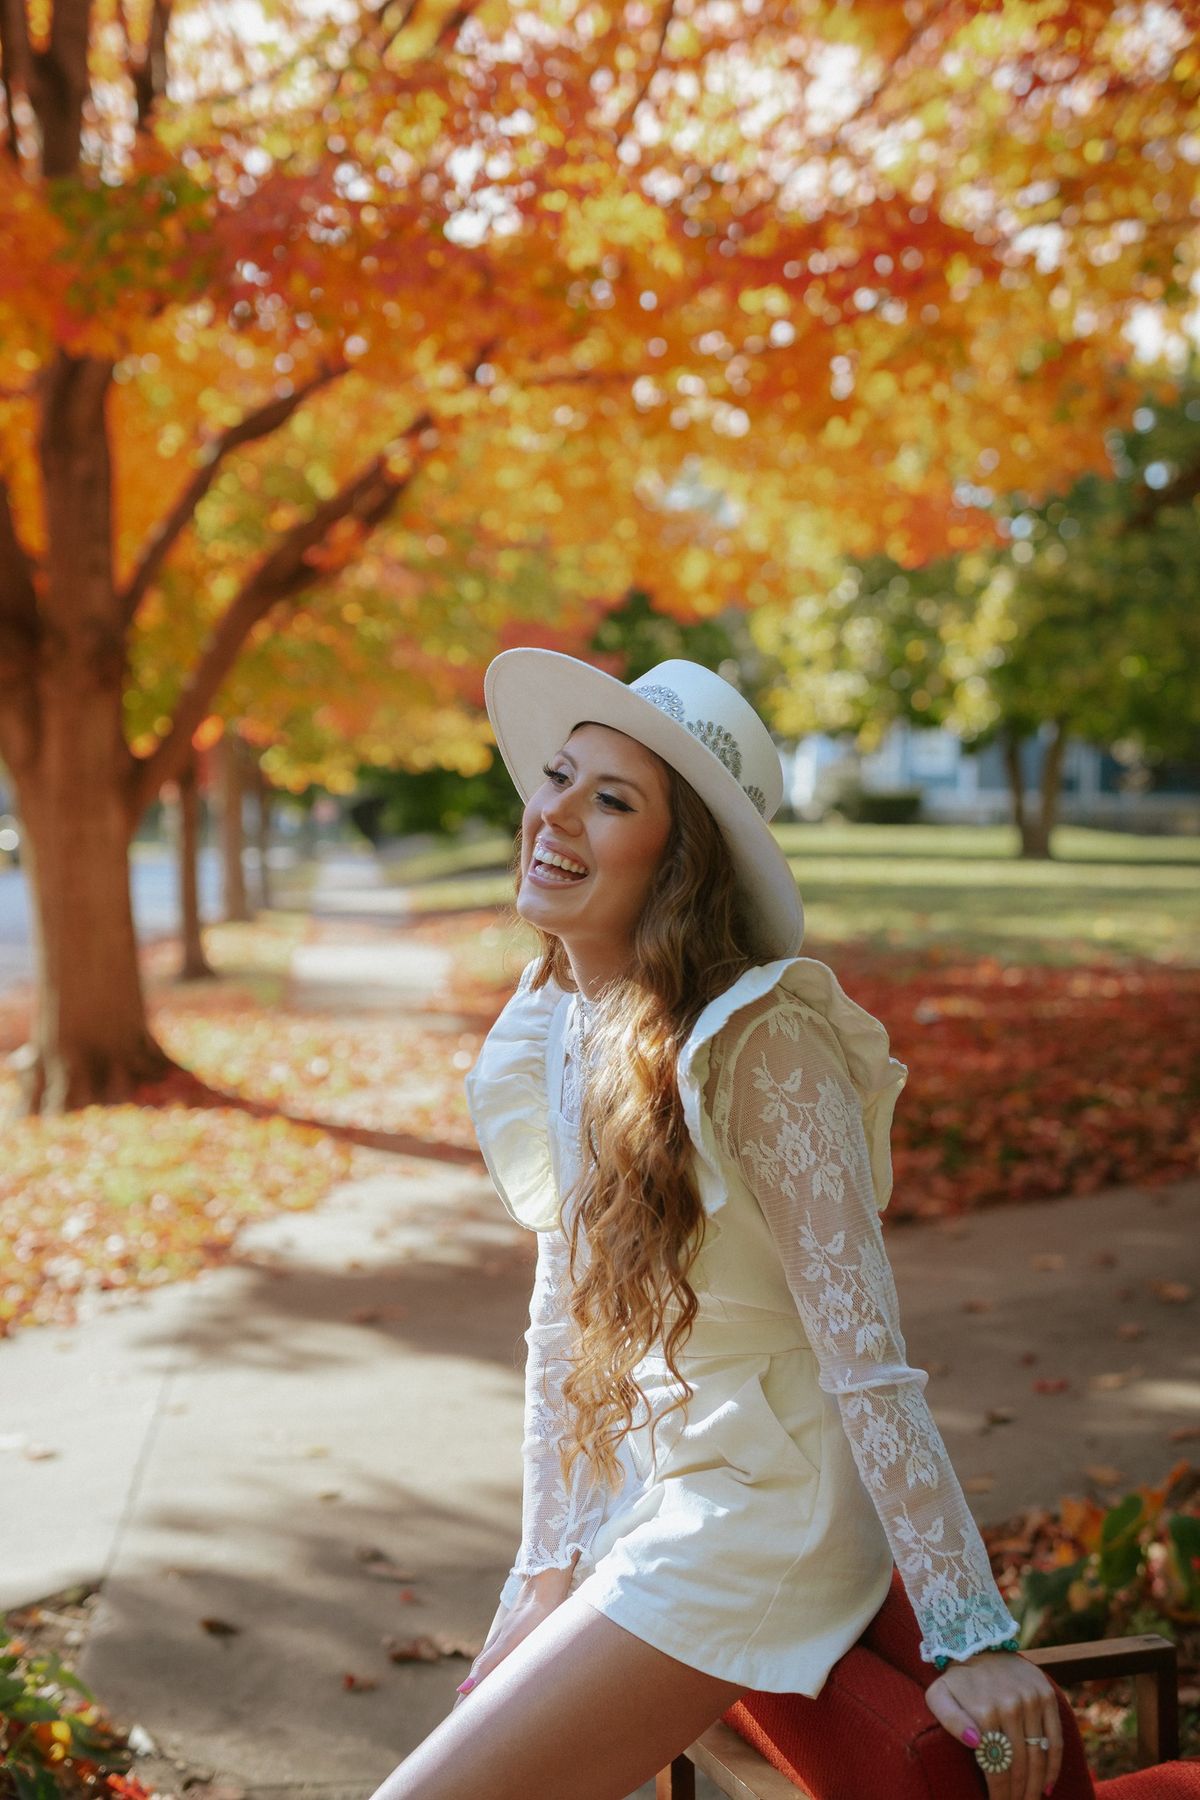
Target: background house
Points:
(959, 786)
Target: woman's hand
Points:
(539, 1596)
(997, 1691)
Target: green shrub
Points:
(55, 1743)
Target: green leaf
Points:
(1044, 1595)
(1183, 1533)
(1120, 1550)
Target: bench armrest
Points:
(1151, 1660)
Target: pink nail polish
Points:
(467, 1685)
(972, 1739)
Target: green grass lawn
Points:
(1102, 893)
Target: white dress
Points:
(758, 1543)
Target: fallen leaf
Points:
(1109, 1381)
(1103, 1474)
(380, 1566)
(1175, 1293)
(1000, 1415)
(1050, 1260)
(428, 1649)
(39, 1452)
(220, 1627)
(1028, 1358)
(1183, 1434)
(1048, 1384)
(330, 1494)
(365, 1315)
(979, 1484)
(1130, 1330)
(359, 1684)
(1104, 1259)
(978, 1306)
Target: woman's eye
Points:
(613, 801)
(555, 775)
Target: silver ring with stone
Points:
(995, 1752)
(1039, 1743)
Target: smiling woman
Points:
(592, 838)
(725, 1448)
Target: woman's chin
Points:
(540, 905)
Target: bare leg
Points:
(581, 1710)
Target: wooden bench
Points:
(870, 1736)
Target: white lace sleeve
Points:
(557, 1517)
(788, 1116)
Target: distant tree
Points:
(1084, 621)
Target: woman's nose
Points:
(561, 810)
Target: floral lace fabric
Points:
(787, 1118)
(558, 1516)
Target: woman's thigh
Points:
(581, 1710)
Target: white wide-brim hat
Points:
(696, 722)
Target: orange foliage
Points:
(685, 299)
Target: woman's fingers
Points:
(956, 1719)
(1029, 1726)
(1012, 1723)
(1042, 1721)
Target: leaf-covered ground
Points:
(1082, 1571)
(1024, 1083)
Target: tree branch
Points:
(61, 85)
(1151, 501)
(16, 70)
(625, 122)
(147, 73)
(255, 425)
(920, 28)
(285, 573)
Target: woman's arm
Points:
(558, 1518)
(787, 1115)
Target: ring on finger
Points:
(1042, 1743)
(995, 1752)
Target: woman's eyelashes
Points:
(560, 777)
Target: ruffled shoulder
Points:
(507, 1100)
(878, 1077)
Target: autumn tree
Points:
(633, 295)
(1083, 621)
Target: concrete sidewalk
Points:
(232, 1449)
(316, 1448)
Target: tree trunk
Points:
(72, 771)
(1039, 829)
(263, 797)
(1011, 743)
(235, 903)
(91, 1040)
(194, 965)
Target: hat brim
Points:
(535, 698)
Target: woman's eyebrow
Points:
(622, 779)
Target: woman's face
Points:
(603, 808)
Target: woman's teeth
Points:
(558, 868)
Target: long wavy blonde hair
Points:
(638, 1205)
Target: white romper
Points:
(759, 1542)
